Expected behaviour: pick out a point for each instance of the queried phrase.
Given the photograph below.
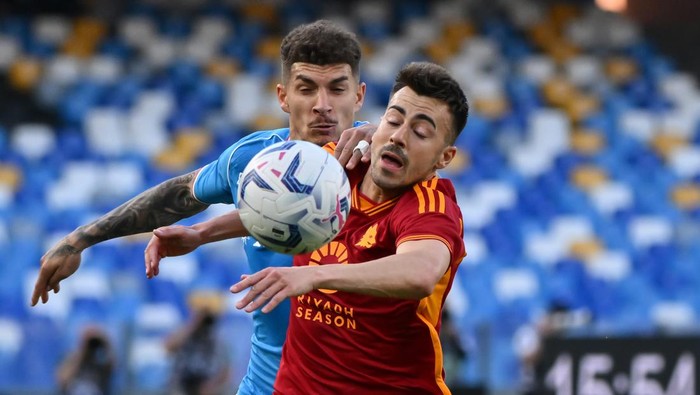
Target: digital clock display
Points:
(620, 366)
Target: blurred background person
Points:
(560, 319)
(89, 369)
(453, 352)
(201, 365)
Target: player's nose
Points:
(398, 136)
(323, 104)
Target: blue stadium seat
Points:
(41, 352)
(504, 368)
(10, 345)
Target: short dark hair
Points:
(432, 80)
(321, 43)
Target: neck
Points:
(376, 194)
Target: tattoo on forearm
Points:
(161, 205)
(66, 249)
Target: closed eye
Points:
(420, 134)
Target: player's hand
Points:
(61, 261)
(174, 240)
(271, 286)
(345, 149)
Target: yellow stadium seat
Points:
(439, 52)
(259, 11)
(491, 107)
(210, 301)
(90, 28)
(222, 68)
(189, 143)
(580, 106)
(269, 48)
(686, 196)
(586, 249)
(454, 34)
(562, 50)
(192, 141)
(79, 47)
(25, 74)
(86, 36)
(588, 177)
(558, 91)
(267, 122)
(173, 160)
(367, 48)
(10, 176)
(587, 142)
(543, 34)
(665, 143)
(460, 162)
(620, 69)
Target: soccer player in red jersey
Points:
(366, 307)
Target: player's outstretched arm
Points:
(411, 273)
(161, 205)
(178, 240)
(345, 151)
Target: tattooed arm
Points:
(161, 205)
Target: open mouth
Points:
(391, 160)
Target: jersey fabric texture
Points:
(346, 343)
(217, 182)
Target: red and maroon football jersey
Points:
(346, 343)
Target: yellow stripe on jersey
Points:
(330, 148)
(435, 198)
(429, 310)
(421, 200)
(382, 206)
(368, 207)
(424, 237)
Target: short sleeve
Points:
(217, 182)
(429, 212)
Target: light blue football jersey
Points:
(217, 182)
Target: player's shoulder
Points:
(436, 195)
(245, 148)
(264, 138)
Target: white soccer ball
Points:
(293, 197)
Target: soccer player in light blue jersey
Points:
(321, 91)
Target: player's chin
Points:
(388, 180)
(322, 138)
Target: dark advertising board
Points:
(620, 366)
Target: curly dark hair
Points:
(432, 80)
(320, 43)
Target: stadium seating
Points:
(578, 173)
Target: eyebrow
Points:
(310, 80)
(419, 115)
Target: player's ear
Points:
(360, 96)
(447, 155)
(282, 98)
